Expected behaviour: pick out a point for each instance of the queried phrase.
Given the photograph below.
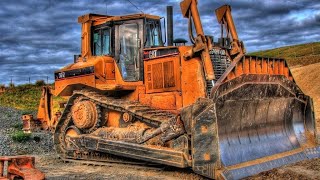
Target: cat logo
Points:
(152, 54)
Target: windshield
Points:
(153, 34)
(101, 42)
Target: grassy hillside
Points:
(24, 97)
(297, 55)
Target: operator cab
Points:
(124, 38)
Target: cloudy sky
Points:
(40, 36)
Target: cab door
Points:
(129, 50)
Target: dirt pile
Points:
(308, 79)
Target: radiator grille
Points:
(157, 76)
(168, 74)
(160, 75)
(220, 63)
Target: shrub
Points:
(20, 136)
(40, 83)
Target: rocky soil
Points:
(39, 143)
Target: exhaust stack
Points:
(170, 25)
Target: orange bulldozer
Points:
(205, 106)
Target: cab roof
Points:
(106, 18)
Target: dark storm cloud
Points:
(38, 37)
(269, 24)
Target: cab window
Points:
(153, 34)
(101, 42)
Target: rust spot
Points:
(204, 129)
(206, 156)
(126, 117)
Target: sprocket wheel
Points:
(86, 115)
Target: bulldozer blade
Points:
(257, 122)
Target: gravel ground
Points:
(10, 117)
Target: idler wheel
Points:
(84, 114)
(71, 132)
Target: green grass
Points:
(20, 136)
(26, 98)
(301, 54)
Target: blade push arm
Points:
(201, 43)
(224, 17)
